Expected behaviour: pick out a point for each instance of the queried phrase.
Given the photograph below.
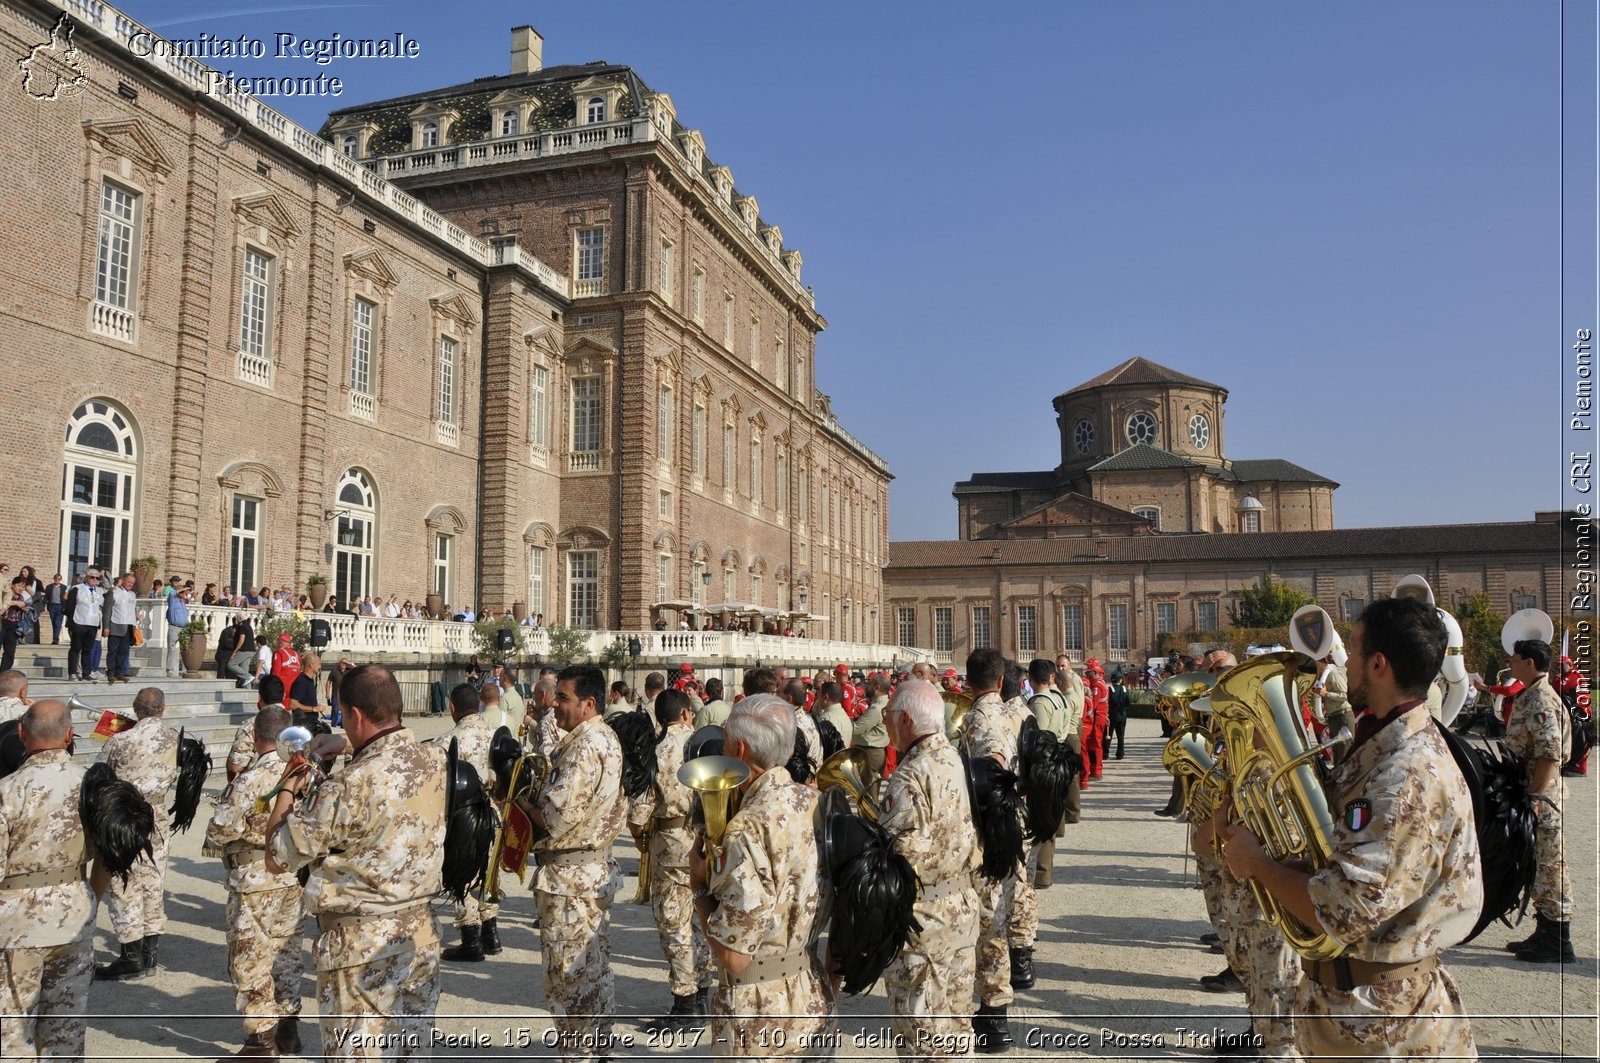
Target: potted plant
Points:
(192, 645)
(317, 589)
(144, 574)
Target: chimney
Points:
(527, 50)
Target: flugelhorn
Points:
(716, 781)
(292, 745)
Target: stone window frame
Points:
(262, 223)
(444, 521)
(1128, 632)
(368, 277)
(451, 319)
(1156, 605)
(125, 153)
(585, 539)
(253, 480)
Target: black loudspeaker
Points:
(321, 632)
(634, 647)
(505, 641)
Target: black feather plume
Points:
(468, 835)
(801, 766)
(194, 764)
(504, 752)
(638, 738)
(117, 819)
(997, 811)
(832, 740)
(874, 894)
(1044, 777)
(1507, 838)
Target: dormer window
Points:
(596, 109)
(350, 145)
(510, 123)
(430, 135)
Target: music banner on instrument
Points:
(519, 838)
(110, 723)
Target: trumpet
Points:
(292, 744)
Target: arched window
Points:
(100, 480)
(349, 145)
(597, 109)
(510, 124)
(430, 134)
(354, 537)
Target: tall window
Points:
(116, 262)
(255, 319)
(942, 625)
(697, 296)
(698, 443)
(244, 543)
(583, 589)
(664, 505)
(755, 589)
(663, 578)
(1072, 627)
(727, 320)
(1352, 609)
(1205, 616)
(510, 124)
(591, 261)
(980, 627)
(1117, 617)
(430, 134)
(827, 511)
(353, 537)
(586, 420)
(361, 314)
(697, 582)
(665, 270)
(753, 489)
(727, 585)
(780, 368)
(100, 477)
(596, 109)
(906, 622)
(755, 341)
(664, 424)
(1027, 629)
(780, 483)
(799, 375)
(729, 473)
(1166, 617)
(1250, 521)
(536, 562)
(539, 407)
(448, 370)
(443, 546)
(350, 146)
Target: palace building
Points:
(1147, 527)
(514, 341)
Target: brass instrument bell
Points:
(848, 771)
(716, 782)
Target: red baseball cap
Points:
(949, 673)
(686, 667)
(284, 636)
(841, 669)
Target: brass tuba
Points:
(716, 781)
(847, 770)
(1275, 788)
(1177, 693)
(1187, 755)
(956, 705)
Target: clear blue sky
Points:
(1345, 213)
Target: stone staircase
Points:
(208, 709)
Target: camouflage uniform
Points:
(147, 756)
(264, 910)
(664, 812)
(372, 836)
(473, 734)
(242, 753)
(584, 808)
(547, 734)
(929, 818)
(768, 905)
(46, 930)
(1403, 883)
(1540, 728)
(1007, 912)
(808, 727)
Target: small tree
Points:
(486, 638)
(272, 625)
(1271, 603)
(568, 645)
(1480, 636)
(615, 655)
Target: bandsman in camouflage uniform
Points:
(579, 813)
(1540, 732)
(928, 816)
(264, 909)
(1404, 880)
(145, 755)
(794, 692)
(477, 921)
(760, 903)
(46, 904)
(242, 753)
(991, 729)
(659, 820)
(372, 836)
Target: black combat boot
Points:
(1542, 929)
(1555, 948)
(702, 1000)
(491, 937)
(1021, 968)
(148, 948)
(287, 1036)
(992, 1028)
(471, 948)
(130, 964)
(684, 1014)
(256, 1046)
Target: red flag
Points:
(519, 839)
(110, 723)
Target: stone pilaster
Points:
(311, 531)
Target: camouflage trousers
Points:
(1270, 984)
(265, 955)
(1022, 927)
(44, 993)
(682, 941)
(383, 1009)
(995, 902)
(930, 982)
(575, 938)
(138, 908)
(1214, 889)
(1552, 888)
(781, 1018)
(473, 912)
(1415, 1018)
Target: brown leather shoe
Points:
(256, 1046)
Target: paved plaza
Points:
(1117, 959)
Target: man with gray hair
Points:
(928, 817)
(13, 695)
(145, 755)
(759, 898)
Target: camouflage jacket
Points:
(40, 831)
(473, 735)
(146, 755)
(992, 727)
(927, 812)
(584, 808)
(1540, 729)
(769, 899)
(666, 798)
(236, 827)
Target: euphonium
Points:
(1275, 790)
(1187, 755)
(716, 782)
(847, 770)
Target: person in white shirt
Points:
(14, 699)
(119, 628)
(85, 602)
(392, 609)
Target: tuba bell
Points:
(1454, 669)
(1526, 624)
(1177, 693)
(1275, 787)
(956, 705)
(716, 781)
(847, 770)
(1188, 756)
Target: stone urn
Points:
(194, 655)
(144, 577)
(318, 593)
(519, 611)
(435, 606)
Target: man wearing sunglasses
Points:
(85, 603)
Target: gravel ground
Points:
(1117, 959)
